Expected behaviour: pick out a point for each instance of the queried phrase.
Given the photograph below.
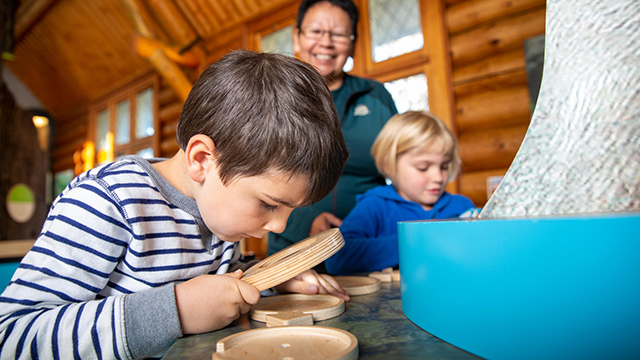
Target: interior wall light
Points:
(42, 127)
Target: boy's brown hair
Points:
(267, 112)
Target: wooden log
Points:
(71, 134)
(62, 163)
(223, 42)
(29, 15)
(67, 148)
(170, 113)
(509, 106)
(471, 13)
(497, 37)
(169, 70)
(166, 95)
(490, 149)
(198, 17)
(145, 48)
(452, 2)
(492, 83)
(143, 21)
(474, 184)
(489, 66)
(169, 129)
(170, 18)
(168, 147)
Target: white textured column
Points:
(581, 153)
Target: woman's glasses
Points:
(315, 34)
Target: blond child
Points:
(417, 153)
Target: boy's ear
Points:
(200, 154)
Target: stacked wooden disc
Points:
(321, 306)
(297, 342)
(293, 260)
(358, 285)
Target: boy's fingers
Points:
(236, 274)
(249, 293)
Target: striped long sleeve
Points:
(99, 281)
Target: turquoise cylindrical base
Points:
(536, 288)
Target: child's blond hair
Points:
(413, 130)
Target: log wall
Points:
(490, 84)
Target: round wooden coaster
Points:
(293, 260)
(321, 306)
(358, 285)
(294, 342)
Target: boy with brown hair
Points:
(136, 253)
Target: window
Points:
(125, 123)
(278, 42)
(394, 30)
(409, 93)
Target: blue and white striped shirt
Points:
(99, 281)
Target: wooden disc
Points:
(293, 260)
(293, 342)
(321, 306)
(358, 285)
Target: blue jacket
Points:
(363, 106)
(370, 231)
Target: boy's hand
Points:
(324, 221)
(210, 302)
(310, 283)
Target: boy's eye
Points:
(268, 207)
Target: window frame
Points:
(110, 102)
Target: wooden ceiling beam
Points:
(173, 22)
(28, 14)
(156, 53)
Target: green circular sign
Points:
(21, 203)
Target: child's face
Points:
(249, 206)
(422, 175)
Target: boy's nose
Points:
(277, 223)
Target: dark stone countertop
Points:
(377, 320)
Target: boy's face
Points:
(249, 206)
(422, 175)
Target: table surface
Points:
(376, 320)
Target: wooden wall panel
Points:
(70, 134)
(490, 84)
(497, 108)
(170, 107)
(474, 185)
(465, 15)
(492, 38)
(490, 149)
